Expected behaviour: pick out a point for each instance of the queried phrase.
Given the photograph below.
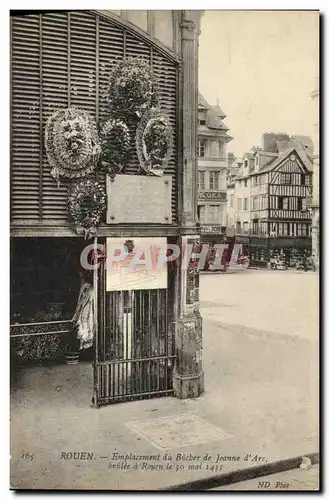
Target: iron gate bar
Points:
(134, 356)
(139, 360)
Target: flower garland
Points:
(132, 88)
(115, 146)
(87, 202)
(72, 143)
(154, 142)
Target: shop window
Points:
(201, 213)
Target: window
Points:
(245, 182)
(302, 179)
(255, 227)
(221, 149)
(213, 180)
(280, 228)
(201, 148)
(201, 209)
(213, 213)
(238, 227)
(286, 229)
(263, 202)
(303, 203)
(255, 203)
(300, 203)
(307, 180)
(304, 229)
(283, 203)
(202, 122)
(201, 180)
(239, 203)
(245, 204)
(245, 227)
(232, 201)
(246, 163)
(285, 178)
(299, 229)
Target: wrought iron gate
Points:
(134, 344)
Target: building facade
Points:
(62, 60)
(212, 171)
(267, 201)
(315, 202)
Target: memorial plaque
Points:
(176, 431)
(139, 199)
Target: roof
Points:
(202, 103)
(217, 110)
(214, 121)
(298, 150)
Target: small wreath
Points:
(154, 142)
(115, 146)
(72, 144)
(132, 88)
(87, 202)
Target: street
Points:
(272, 303)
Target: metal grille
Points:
(134, 346)
(63, 59)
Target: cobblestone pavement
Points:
(292, 480)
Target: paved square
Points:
(176, 431)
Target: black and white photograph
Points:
(164, 250)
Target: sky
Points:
(262, 67)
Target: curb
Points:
(243, 474)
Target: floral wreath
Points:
(115, 145)
(154, 142)
(132, 87)
(71, 142)
(87, 202)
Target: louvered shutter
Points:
(59, 60)
(25, 119)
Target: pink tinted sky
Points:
(262, 67)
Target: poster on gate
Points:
(135, 264)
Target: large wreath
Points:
(71, 142)
(154, 142)
(87, 202)
(132, 88)
(115, 146)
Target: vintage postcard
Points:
(165, 250)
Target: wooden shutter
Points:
(58, 60)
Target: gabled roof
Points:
(202, 103)
(280, 159)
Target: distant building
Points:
(267, 200)
(212, 170)
(315, 202)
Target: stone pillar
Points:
(188, 374)
(189, 98)
(188, 379)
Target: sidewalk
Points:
(260, 402)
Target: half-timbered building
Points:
(269, 197)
